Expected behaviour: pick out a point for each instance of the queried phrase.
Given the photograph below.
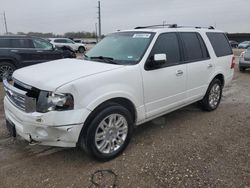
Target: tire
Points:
(97, 137)
(242, 69)
(213, 95)
(81, 50)
(6, 69)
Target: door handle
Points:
(14, 50)
(179, 73)
(210, 65)
(39, 51)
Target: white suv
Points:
(127, 79)
(61, 42)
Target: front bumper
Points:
(53, 128)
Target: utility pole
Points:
(5, 23)
(96, 35)
(163, 23)
(99, 21)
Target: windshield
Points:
(121, 48)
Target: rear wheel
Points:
(109, 133)
(213, 96)
(242, 69)
(6, 70)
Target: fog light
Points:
(41, 132)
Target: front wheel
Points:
(213, 96)
(109, 133)
(6, 70)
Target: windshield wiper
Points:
(106, 59)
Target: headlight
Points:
(49, 101)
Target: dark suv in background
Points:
(21, 51)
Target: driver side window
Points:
(168, 44)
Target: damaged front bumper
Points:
(60, 129)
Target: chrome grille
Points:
(19, 97)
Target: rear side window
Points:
(194, 47)
(20, 43)
(220, 44)
(4, 43)
(60, 41)
(167, 43)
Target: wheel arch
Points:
(9, 60)
(220, 77)
(125, 102)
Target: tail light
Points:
(242, 54)
(233, 62)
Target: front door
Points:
(45, 51)
(165, 85)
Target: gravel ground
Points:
(186, 148)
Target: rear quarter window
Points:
(220, 44)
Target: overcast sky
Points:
(59, 16)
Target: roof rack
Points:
(173, 26)
(162, 25)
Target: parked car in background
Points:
(129, 78)
(21, 51)
(79, 41)
(244, 45)
(60, 42)
(233, 44)
(244, 62)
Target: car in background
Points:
(244, 45)
(20, 51)
(79, 41)
(244, 61)
(65, 42)
(233, 44)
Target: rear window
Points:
(220, 44)
(4, 43)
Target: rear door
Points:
(199, 65)
(23, 47)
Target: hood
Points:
(51, 75)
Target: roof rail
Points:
(173, 26)
(162, 25)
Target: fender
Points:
(139, 109)
(219, 71)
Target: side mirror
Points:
(159, 59)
